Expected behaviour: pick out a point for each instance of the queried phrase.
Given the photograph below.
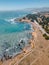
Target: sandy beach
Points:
(34, 54)
(38, 57)
(19, 56)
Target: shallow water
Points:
(11, 34)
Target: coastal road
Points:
(31, 50)
(43, 31)
(40, 28)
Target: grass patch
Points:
(47, 30)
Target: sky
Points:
(22, 4)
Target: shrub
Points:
(24, 18)
(47, 30)
(46, 37)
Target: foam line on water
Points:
(11, 20)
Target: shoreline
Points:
(25, 50)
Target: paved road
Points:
(40, 28)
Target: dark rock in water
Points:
(19, 45)
(6, 56)
(21, 41)
(21, 48)
(2, 59)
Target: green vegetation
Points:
(46, 37)
(24, 17)
(47, 30)
(32, 17)
(44, 22)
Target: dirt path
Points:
(33, 57)
(41, 45)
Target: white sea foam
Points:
(11, 20)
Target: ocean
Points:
(13, 36)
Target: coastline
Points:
(26, 49)
(32, 53)
(40, 44)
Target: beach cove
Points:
(25, 36)
(14, 37)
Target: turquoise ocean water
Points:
(12, 34)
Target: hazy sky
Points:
(22, 4)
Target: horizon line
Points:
(24, 9)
